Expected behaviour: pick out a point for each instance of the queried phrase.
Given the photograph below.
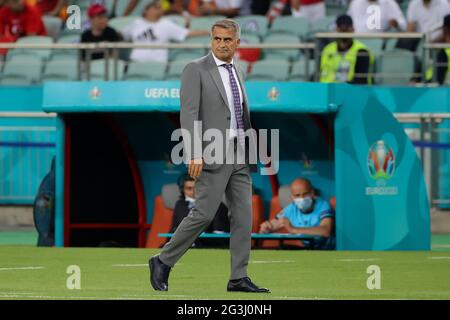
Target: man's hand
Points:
(265, 227)
(393, 23)
(287, 225)
(195, 167)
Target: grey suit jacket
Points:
(203, 98)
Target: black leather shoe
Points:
(245, 285)
(159, 274)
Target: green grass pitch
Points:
(28, 272)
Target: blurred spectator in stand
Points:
(168, 6)
(442, 63)
(54, 8)
(99, 31)
(424, 16)
(276, 9)
(19, 19)
(362, 12)
(260, 7)
(346, 59)
(228, 8)
(153, 29)
(310, 9)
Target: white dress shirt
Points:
(427, 18)
(362, 15)
(226, 83)
(161, 32)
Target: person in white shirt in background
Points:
(363, 13)
(310, 9)
(426, 16)
(228, 8)
(151, 28)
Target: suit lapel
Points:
(213, 70)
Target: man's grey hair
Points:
(228, 24)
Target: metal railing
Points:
(310, 50)
(431, 161)
(25, 156)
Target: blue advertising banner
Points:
(164, 96)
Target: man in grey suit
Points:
(212, 91)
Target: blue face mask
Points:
(304, 204)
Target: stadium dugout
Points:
(114, 144)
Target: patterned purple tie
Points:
(237, 104)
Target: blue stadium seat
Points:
(120, 23)
(298, 72)
(175, 69)
(269, 70)
(145, 71)
(190, 54)
(292, 25)
(289, 54)
(204, 23)
(97, 69)
(375, 45)
(43, 54)
(73, 38)
(61, 70)
(395, 67)
(26, 70)
(253, 24)
(325, 24)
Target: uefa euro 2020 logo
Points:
(381, 161)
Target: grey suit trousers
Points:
(235, 181)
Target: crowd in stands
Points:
(165, 21)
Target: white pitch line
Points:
(34, 296)
(280, 261)
(438, 258)
(45, 297)
(353, 260)
(14, 293)
(22, 268)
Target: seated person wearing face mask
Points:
(308, 214)
(183, 206)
